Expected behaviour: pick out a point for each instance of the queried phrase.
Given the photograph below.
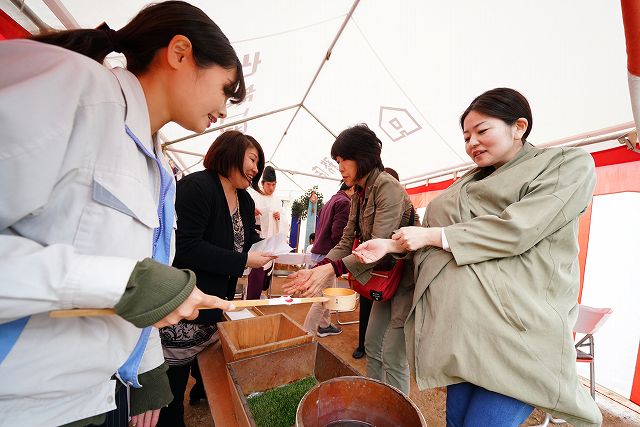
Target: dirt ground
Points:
(430, 402)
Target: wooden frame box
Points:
(250, 337)
(267, 371)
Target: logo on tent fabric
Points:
(250, 64)
(327, 168)
(397, 123)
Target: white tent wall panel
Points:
(307, 148)
(611, 281)
(278, 69)
(564, 56)
(419, 59)
(362, 91)
(239, 19)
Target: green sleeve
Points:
(556, 197)
(155, 392)
(154, 290)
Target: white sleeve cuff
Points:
(445, 242)
(97, 281)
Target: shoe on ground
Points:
(329, 330)
(358, 353)
(195, 396)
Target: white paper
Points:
(274, 245)
(299, 258)
(237, 315)
(284, 300)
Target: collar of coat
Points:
(371, 179)
(527, 152)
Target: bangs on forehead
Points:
(236, 91)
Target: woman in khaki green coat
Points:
(497, 275)
(383, 207)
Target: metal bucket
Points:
(357, 401)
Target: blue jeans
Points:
(471, 406)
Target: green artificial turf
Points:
(277, 407)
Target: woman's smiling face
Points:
(242, 179)
(490, 141)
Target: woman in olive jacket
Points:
(497, 275)
(381, 206)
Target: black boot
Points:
(197, 391)
(358, 353)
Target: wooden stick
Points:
(257, 302)
(81, 312)
(88, 312)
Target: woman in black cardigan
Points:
(216, 228)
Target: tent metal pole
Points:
(587, 135)
(226, 125)
(31, 15)
(178, 160)
(319, 121)
(191, 153)
(315, 77)
(193, 165)
(287, 176)
(293, 172)
(607, 134)
(62, 13)
(330, 50)
(284, 134)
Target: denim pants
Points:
(386, 349)
(471, 406)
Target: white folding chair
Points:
(590, 319)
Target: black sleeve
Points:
(195, 209)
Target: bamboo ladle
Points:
(87, 312)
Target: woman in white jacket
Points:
(86, 200)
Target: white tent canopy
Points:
(407, 69)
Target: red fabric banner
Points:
(612, 156)
(10, 29)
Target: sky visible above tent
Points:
(406, 68)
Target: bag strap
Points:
(357, 227)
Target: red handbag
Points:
(383, 284)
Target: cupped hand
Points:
(309, 283)
(258, 259)
(189, 308)
(146, 419)
(413, 238)
(372, 250)
(294, 282)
